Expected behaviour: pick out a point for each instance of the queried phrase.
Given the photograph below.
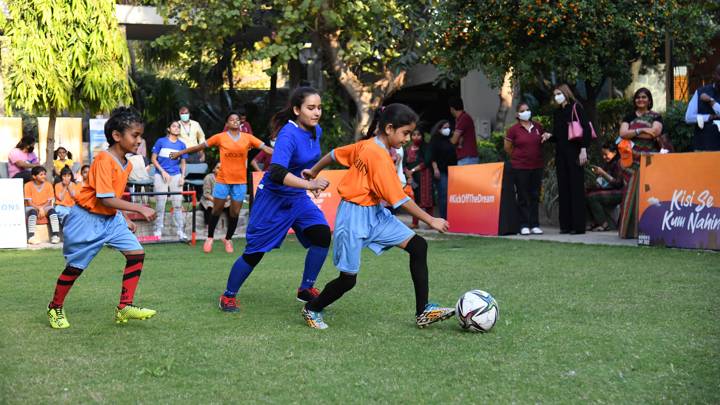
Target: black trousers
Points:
(571, 188)
(527, 189)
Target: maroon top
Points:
(468, 146)
(527, 150)
(263, 159)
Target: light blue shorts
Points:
(357, 227)
(85, 233)
(235, 191)
(62, 212)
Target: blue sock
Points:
(313, 263)
(240, 271)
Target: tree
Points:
(367, 46)
(576, 41)
(65, 55)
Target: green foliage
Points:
(492, 149)
(681, 133)
(572, 40)
(66, 55)
(610, 114)
(603, 331)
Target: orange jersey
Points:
(67, 199)
(107, 178)
(39, 196)
(371, 176)
(233, 155)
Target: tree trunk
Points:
(590, 103)
(50, 141)
(229, 68)
(506, 95)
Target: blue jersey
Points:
(162, 149)
(295, 149)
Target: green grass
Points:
(578, 324)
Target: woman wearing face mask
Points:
(417, 172)
(523, 145)
(442, 155)
(570, 157)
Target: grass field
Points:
(578, 324)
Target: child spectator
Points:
(65, 192)
(96, 220)
(61, 158)
(207, 201)
(39, 199)
(83, 175)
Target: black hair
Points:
(241, 111)
(456, 103)
(84, 167)
(231, 113)
(435, 131)
(121, 119)
(296, 99)
(55, 154)
(374, 123)
(397, 115)
(522, 103)
(37, 170)
(66, 170)
(611, 146)
(644, 90)
(184, 107)
(27, 141)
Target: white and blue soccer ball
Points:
(477, 311)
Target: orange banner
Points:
(473, 198)
(328, 200)
(679, 201)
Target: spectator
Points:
(21, 159)
(82, 179)
(262, 160)
(244, 123)
(608, 192)
(417, 171)
(703, 111)
(464, 134)
(169, 177)
(61, 158)
(207, 201)
(523, 144)
(191, 134)
(570, 157)
(65, 191)
(442, 155)
(39, 197)
(142, 150)
(642, 128)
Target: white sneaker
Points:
(536, 231)
(55, 239)
(525, 231)
(34, 240)
(181, 235)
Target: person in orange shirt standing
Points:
(232, 178)
(39, 198)
(96, 220)
(362, 221)
(65, 193)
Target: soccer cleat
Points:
(54, 239)
(207, 246)
(433, 313)
(132, 312)
(57, 319)
(307, 294)
(228, 304)
(228, 246)
(313, 319)
(34, 240)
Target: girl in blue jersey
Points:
(282, 201)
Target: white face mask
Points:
(560, 98)
(525, 115)
(445, 131)
(272, 143)
(184, 117)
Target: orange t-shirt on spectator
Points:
(371, 176)
(67, 200)
(233, 155)
(39, 196)
(107, 178)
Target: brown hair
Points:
(565, 89)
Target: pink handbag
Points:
(575, 130)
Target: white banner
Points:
(12, 214)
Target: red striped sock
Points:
(131, 276)
(64, 284)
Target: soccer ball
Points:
(477, 311)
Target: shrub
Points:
(610, 113)
(681, 133)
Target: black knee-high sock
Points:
(332, 292)
(232, 225)
(417, 247)
(212, 224)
